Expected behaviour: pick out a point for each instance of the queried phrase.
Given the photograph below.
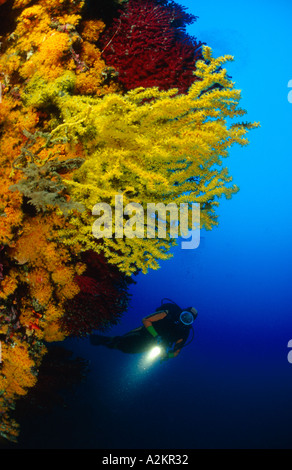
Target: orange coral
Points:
(40, 286)
(92, 29)
(8, 284)
(37, 272)
(17, 374)
(49, 61)
(53, 332)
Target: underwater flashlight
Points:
(155, 352)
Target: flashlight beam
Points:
(156, 351)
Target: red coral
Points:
(148, 46)
(88, 285)
(102, 299)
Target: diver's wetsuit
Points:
(167, 325)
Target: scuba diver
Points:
(166, 331)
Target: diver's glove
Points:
(152, 331)
(170, 355)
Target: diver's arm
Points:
(176, 349)
(150, 319)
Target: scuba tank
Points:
(169, 301)
(178, 321)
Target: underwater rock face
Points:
(78, 126)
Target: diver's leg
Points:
(135, 341)
(108, 341)
(112, 341)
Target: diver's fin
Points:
(99, 340)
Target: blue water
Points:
(231, 387)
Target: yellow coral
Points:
(148, 146)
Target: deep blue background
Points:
(231, 388)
